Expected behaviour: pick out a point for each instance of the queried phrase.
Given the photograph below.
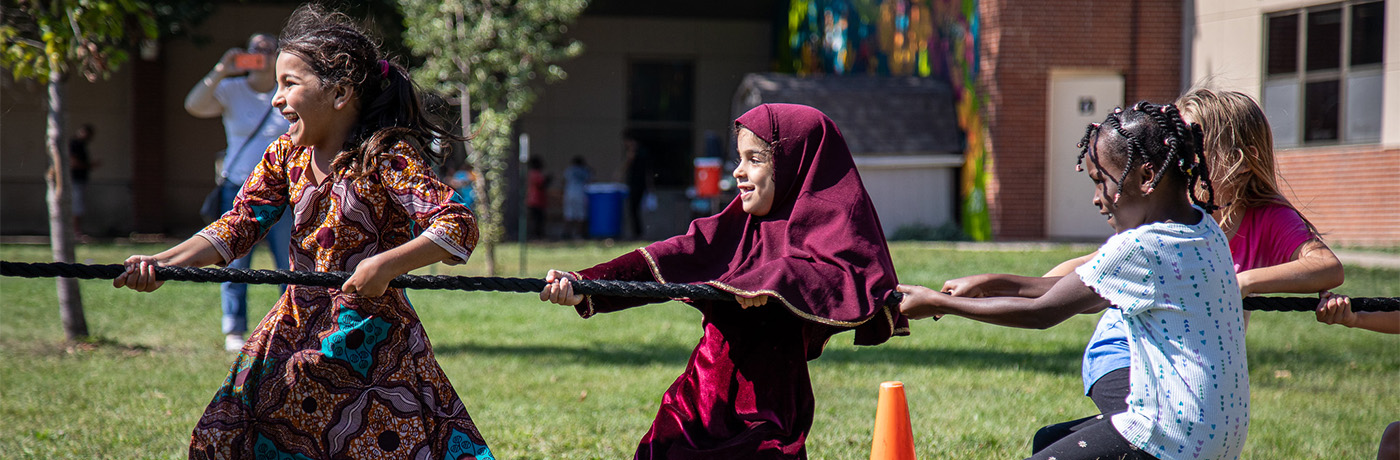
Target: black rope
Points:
(474, 283)
(337, 279)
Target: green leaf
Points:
(506, 44)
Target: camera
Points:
(249, 61)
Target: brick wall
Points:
(1021, 41)
(1350, 193)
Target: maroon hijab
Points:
(820, 251)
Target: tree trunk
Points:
(59, 196)
(478, 183)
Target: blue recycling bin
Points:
(605, 202)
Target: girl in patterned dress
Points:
(1169, 272)
(337, 372)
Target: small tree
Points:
(46, 42)
(485, 54)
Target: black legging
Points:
(1062, 440)
(1093, 438)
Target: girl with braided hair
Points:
(1272, 246)
(1167, 272)
(347, 372)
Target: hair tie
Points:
(383, 68)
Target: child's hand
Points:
(970, 286)
(140, 274)
(370, 278)
(745, 302)
(1335, 309)
(919, 302)
(559, 289)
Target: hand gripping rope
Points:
(473, 283)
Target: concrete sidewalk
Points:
(1369, 259)
(1361, 258)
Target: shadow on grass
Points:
(91, 344)
(1058, 361)
(1310, 357)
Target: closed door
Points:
(1075, 100)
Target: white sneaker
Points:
(233, 342)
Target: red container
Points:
(707, 174)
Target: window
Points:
(661, 115)
(1323, 73)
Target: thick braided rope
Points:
(336, 279)
(470, 283)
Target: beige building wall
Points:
(586, 113)
(1227, 46)
(1348, 191)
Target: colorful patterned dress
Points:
(328, 374)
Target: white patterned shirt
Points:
(1175, 285)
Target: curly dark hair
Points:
(389, 103)
(1156, 135)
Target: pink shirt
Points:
(535, 194)
(1268, 235)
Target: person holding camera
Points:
(240, 89)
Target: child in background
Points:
(1275, 249)
(348, 372)
(463, 181)
(1168, 272)
(802, 232)
(537, 196)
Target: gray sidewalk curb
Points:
(1368, 259)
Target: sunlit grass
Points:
(543, 384)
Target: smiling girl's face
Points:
(312, 108)
(755, 174)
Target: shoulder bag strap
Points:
(223, 175)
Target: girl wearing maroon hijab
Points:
(803, 234)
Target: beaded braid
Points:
(1083, 145)
(1193, 164)
(1115, 121)
(1177, 136)
(1202, 173)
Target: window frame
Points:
(667, 171)
(1300, 77)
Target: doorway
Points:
(1075, 99)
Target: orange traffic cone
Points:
(894, 438)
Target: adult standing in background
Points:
(637, 169)
(240, 89)
(576, 179)
(80, 165)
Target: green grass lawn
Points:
(543, 384)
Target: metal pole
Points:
(524, 185)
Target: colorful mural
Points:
(926, 38)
